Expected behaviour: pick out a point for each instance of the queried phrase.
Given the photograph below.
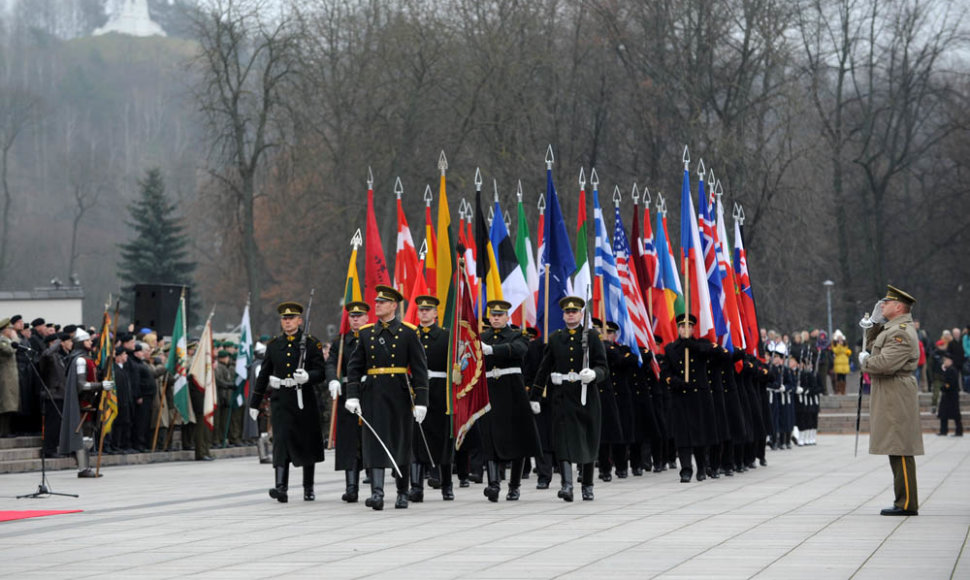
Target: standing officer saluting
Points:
(575, 404)
(894, 409)
(297, 437)
(388, 351)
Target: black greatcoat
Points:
(297, 436)
(692, 420)
(508, 429)
(648, 401)
(384, 398)
(437, 423)
(347, 447)
(949, 407)
(615, 396)
(575, 428)
(533, 357)
(722, 363)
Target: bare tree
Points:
(17, 112)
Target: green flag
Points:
(177, 363)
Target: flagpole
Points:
(110, 373)
(684, 266)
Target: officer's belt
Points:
(496, 373)
(437, 375)
(387, 371)
(560, 378)
(288, 383)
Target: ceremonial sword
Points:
(424, 439)
(378, 437)
(858, 408)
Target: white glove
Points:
(107, 385)
(587, 376)
(301, 376)
(876, 315)
(420, 412)
(536, 408)
(254, 413)
(799, 390)
(486, 349)
(352, 405)
(334, 389)
(274, 382)
(862, 358)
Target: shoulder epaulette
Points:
(409, 325)
(368, 325)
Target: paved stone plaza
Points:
(812, 513)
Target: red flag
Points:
(419, 288)
(406, 260)
(375, 271)
(430, 273)
(466, 381)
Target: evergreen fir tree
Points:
(158, 252)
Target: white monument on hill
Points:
(131, 17)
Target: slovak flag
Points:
(693, 265)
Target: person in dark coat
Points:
(392, 359)
(347, 426)
(53, 371)
(533, 357)
(508, 430)
(615, 442)
(722, 365)
(297, 436)
(437, 424)
(692, 418)
(564, 377)
(949, 407)
(143, 393)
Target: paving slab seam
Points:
(963, 550)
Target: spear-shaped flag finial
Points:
(686, 157)
(427, 196)
(582, 179)
(398, 187)
(370, 178)
(442, 162)
(542, 203)
(661, 205)
(550, 157)
(518, 192)
(711, 179)
(700, 169)
(424, 249)
(594, 178)
(358, 240)
(718, 191)
(478, 179)
(616, 195)
(635, 194)
(495, 188)
(646, 196)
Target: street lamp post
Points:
(828, 297)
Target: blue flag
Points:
(557, 258)
(614, 302)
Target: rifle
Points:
(306, 331)
(585, 342)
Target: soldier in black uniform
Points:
(508, 429)
(692, 418)
(575, 403)
(437, 425)
(297, 437)
(622, 364)
(347, 443)
(392, 360)
(530, 365)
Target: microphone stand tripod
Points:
(44, 489)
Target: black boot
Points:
(282, 484)
(493, 488)
(566, 472)
(376, 499)
(402, 492)
(587, 482)
(308, 494)
(515, 480)
(416, 494)
(686, 471)
(353, 485)
(447, 487)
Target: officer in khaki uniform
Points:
(894, 408)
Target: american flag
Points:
(642, 327)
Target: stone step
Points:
(26, 465)
(19, 453)
(20, 442)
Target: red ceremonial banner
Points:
(467, 377)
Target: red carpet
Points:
(24, 514)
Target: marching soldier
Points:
(297, 437)
(617, 428)
(530, 365)
(437, 425)
(392, 360)
(692, 409)
(347, 445)
(508, 430)
(575, 403)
